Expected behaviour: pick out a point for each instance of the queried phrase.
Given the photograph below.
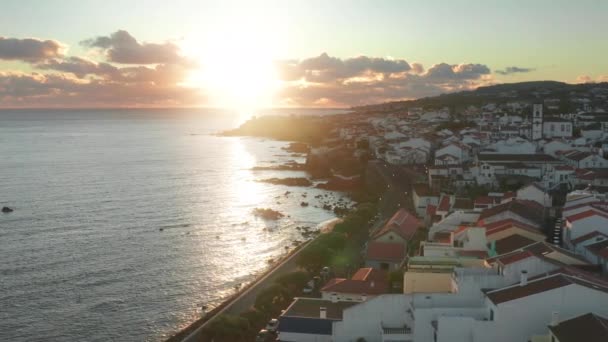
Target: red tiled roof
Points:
(564, 168)
(403, 223)
(481, 200)
(385, 251)
(527, 209)
(599, 248)
(509, 259)
(507, 223)
(540, 285)
(475, 254)
(585, 214)
(443, 237)
(589, 327)
(512, 243)
(509, 194)
(498, 226)
(364, 281)
(444, 204)
(587, 237)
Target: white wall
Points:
(519, 319)
(535, 194)
(297, 337)
(363, 320)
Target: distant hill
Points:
(499, 93)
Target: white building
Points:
(535, 192)
(557, 128)
(537, 122)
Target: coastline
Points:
(193, 331)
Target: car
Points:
(307, 290)
(272, 325)
(264, 336)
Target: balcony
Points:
(394, 333)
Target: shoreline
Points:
(193, 331)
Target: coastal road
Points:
(246, 299)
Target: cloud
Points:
(325, 80)
(29, 49)
(589, 79)
(58, 90)
(445, 71)
(514, 70)
(325, 68)
(122, 47)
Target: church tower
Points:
(537, 121)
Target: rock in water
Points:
(7, 210)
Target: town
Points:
(491, 225)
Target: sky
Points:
(309, 53)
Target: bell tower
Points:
(537, 121)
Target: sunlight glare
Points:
(237, 69)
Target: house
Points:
(385, 255)
(579, 221)
(482, 307)
(400, 228)
(457, 152)
(499, 231)
(539, 160)
(555, 127)
(524, 211)
(514, 145)
(584, 160)
(588, 327)
(466, 242)
(551, 147)
(310, 319)
(562, 293)
(366, 282)
(422, 196)
(535, 192)
(434, 274)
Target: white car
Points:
(272, 325)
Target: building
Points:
(385, 255)
(555, 127)
(422, 196)
(525, 211)
(366, 282)
(310, 319)
(588, 327)
(535, 192)
(537, 122)
(400, 228)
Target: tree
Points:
(228, 328)
(314, 257)
(293, 281)
(272, 299)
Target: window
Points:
(563, 128)
(491, 315)
(552, 127)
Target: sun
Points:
(236, 66)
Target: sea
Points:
(127, 221)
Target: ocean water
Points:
(127, 221)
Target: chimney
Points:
(363, 297)
(372, 284)
(523, 279)
(323, 312)
(554, 318)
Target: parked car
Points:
(264, 336)
(272, 325)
